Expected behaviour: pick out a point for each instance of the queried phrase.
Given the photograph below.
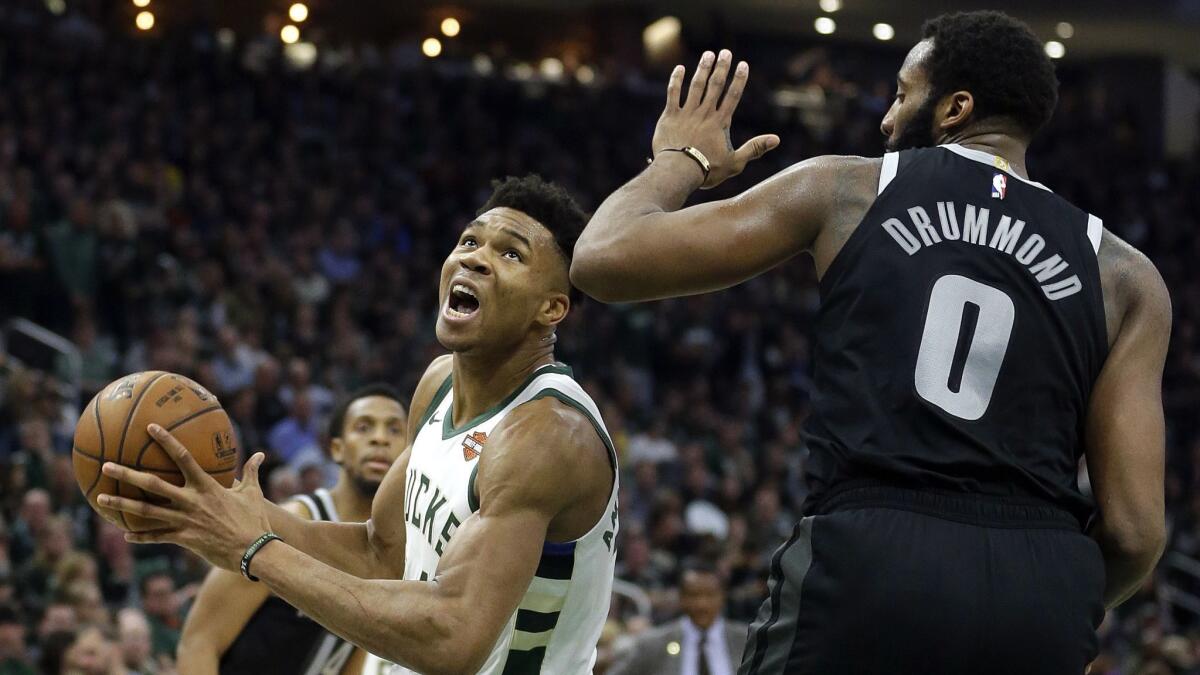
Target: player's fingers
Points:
(699, 81)
(716, 83)
(753, 149)
(187, 464)
(140, 508)
(146, 481)
(728, 104)
(163, 536)
(674, 90)
(250, 471)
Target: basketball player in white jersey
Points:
(237, 626)
(490, 546)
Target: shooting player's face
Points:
(504, 282)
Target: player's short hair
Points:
(337, 421)
(545, 202)
(999, 60)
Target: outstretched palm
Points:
(703, 120)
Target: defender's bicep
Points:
(1125, 435)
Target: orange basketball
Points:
(113, 429)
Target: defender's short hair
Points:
(999, 60)
(338, 419)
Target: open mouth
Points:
(462, 302)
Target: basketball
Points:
(112, 428)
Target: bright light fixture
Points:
(883, 31)
(825, 25)
(431, 47)
(1055, 49)
(451, 27)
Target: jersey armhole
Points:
(434, 402)
(313, 512)
(891, 162)
(1095, 228)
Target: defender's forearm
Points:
(614, 242)
(1127, 562)
(345, 546)
(403, 621)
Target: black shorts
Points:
(892, 581)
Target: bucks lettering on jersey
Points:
(558, 621)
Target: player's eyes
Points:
(468, 241)
(512, 255)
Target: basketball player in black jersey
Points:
(238, 627)
(977, 335)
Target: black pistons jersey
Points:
(960, 332)
(278, 639)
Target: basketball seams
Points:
(137, 464)
(146, 469)
(133, 411)
(99, 430)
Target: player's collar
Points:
(991, 160)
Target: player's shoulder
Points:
(437, 372)
(1137, 284)
(834, 183)
(550, 445)
(431, 383)
(838, 168)
(297, 508)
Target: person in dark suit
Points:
(700, 642)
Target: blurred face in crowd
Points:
(158, 597)
(134, 633)
(504, 283)
(373, 435)
(701, 597)
(55, 540)
(35, 509)
(910, 122)
(57, 618)
(12, 640)
(89, 603)
(90, 654)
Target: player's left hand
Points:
(703, 120)
(216, 523)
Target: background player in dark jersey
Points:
(237, 626)
(977, 335)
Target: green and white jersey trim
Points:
(558, 622)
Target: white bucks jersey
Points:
(558, 621)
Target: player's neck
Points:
(1000, 144)
(482, 381)
(352, 505)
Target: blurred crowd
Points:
(186, 205)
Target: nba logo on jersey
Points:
(999, 186)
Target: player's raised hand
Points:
(216, 523)
(702, 120)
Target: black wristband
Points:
(255, 548)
